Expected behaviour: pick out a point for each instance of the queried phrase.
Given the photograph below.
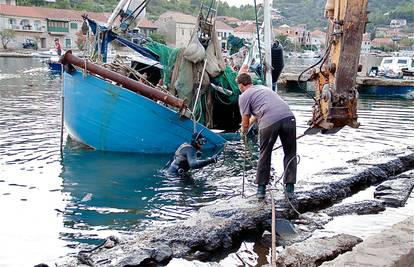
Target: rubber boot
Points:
(261, 192)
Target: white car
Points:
(393, 66)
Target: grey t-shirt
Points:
(265, 104)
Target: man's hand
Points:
(243, 133)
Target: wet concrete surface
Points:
(394, 193)
(391, 248)
(215, 227)
(312, 252)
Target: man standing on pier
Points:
(274, 119)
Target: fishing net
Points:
(227, 80)
(167, 57)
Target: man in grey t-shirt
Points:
(274, 119)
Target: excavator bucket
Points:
(335, 80)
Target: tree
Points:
(285, 42)
(6, 36)
(157, 37)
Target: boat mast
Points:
(267, 21)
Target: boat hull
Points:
(55, 67)
(107, 117)
(389, 91)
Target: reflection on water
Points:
(49, 204)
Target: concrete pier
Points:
(292, 78)
(391, 248)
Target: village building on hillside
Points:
(298, 35)
(366, 43)
(223, 32)
(246, 31)
(44, 25)
(317, 38)
(381, 41)
(229, 20)
(398, 23)
(176, 27)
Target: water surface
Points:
(50, 204)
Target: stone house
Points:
(177, 27)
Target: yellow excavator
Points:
(335, 77)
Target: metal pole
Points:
(267, 41)
(274, 255)
(126, 82)
(62, 110)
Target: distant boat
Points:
(384, 87)
(54, 65)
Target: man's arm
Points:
(194, 163)
(245, 123)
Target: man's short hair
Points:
(244, 79)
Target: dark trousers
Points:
(286, 129)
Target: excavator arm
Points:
(335, 80)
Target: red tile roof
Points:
(50, 13)
(222, 26)
(381, 41)
(251, 27)
(228, 19)
(146, 23)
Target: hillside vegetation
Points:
(308, 12)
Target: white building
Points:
(366, 44)
(43, 25)
(223, 32)
(398, 23)
(177, 28)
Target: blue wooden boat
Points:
(108, 117)
(54, 66)
(384, 87)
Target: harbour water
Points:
(50, 203)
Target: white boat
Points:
(393, 67)
(46, 54)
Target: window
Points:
(182, 32)
(37, 25)
(68, 42)
(402, 61)
(73, 25)
(388, 61)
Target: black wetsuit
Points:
(185, 158)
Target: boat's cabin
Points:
(396, 64)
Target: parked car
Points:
(30, 44)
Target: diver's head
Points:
(198, 140)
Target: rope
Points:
(198, 94)
(328, 49)
(297, 138)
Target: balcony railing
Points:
(35, 28)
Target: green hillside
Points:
(308, 12)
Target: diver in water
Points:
(185, 158)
